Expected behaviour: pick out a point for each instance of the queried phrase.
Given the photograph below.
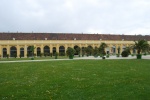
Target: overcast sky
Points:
(76, 16)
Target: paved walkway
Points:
(114, 57)
(78, 58)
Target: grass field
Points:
(76, 80)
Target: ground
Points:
(76, 80)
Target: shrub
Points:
(15, 55)
(28, 55)
(34, 54)
(46, 54)
(107, 55)
(117, 55)
(132, 55)
(41, 54)
(62, 54)
(20, 56)
(101, 55)
(70, 52)
(7, 56)
(95, 52)
(51, 54)
(56, 55)
(125, 54)
(144, 54)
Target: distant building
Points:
(20, 43)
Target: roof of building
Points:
(70, 36)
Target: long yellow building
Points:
(20, 43)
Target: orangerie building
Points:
(20, 43)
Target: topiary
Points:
(70, 52)
(56, 54)
(125, 54)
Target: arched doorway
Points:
(83, 51)
(54, 50)
(90, 50)
(123, 48)
(62, 51)
(29, 52)
(77, 49)
(46, 51)
(13, 51)
(113, 49)
(38, 51)
(21, 52)
(134, 51)
(4, 52)
(107, 50)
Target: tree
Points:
(32, 51)
(83, 51)
(89, 50)
(141, 45)
(149, 49)
(128, 50)
(56, 55)
(78, 51)
(95, 52)
(125, 53)
(70, 52)
(118, 50)
(102, 48)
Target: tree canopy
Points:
(141, 45)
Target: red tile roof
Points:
(70, 36)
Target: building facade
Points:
(20, 43)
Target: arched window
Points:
(29, 52)
(83, 51)
(46, 51)
(13, 51)
(77, 49)
(114, 49)
(38, 51)
(134, 51)
(4, 52)
(90, 49)
(62, 51)
(107, 50)
(54, 50)
(21, 52)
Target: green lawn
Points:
(76, 80)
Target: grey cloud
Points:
(104, 16)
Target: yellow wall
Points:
(57, 43)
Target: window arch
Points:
(113, 49)
(29, 52)
(4, 52)
(47, 50)
(54, 50)
(77, 49)
(38, 51)
(62, 51)
(13, 51)
(21, 52)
